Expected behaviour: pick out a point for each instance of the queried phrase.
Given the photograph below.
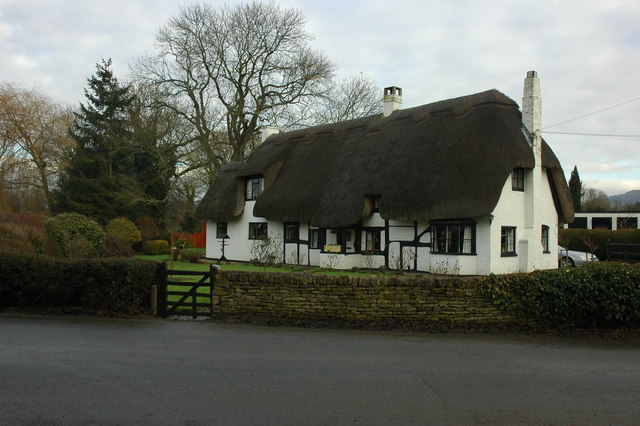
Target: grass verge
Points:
(247, 267)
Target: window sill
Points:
(508, 254)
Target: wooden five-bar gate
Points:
(182, 293)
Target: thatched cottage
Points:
(464, 186)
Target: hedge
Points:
(597, 294)
(192, 255)
(116, 285)
(156, 247)
(595, 240)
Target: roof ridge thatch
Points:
(445, 159)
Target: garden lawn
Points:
(204, 266)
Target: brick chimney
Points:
(532, 103)
(392, 100)
(530, 250)
(532, 113)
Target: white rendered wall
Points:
(340, 261)
(239, 245)
(511, 211)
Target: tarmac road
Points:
(95, 371)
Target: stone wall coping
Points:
(396, 280)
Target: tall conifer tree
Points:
(100, 179)
(575, 187)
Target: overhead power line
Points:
(592, 113)
(592, 134)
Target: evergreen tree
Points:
(575, 187)
(101, 180)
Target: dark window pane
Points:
(601, 223)
(258, 231)
(221, 229)
(453, 238)
(291, 232)
(517, 179)
(508, 241)
(544, 237)
(627, 223)
(255, 186)
(579, 223)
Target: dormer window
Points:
(376, 203)
(255, 186)
(517, 179)
(371, 203)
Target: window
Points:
(221, 229)
(317, 238)
(627, 223)
(579, 223)
(258, 231)
(372, 240)
(372, 202)
(291, 232)
(453, 238)
(602, 223)
(544, 238)
(508, 241)
(314, 239)
(255, 186)
(517, 179)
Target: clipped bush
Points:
(73, 236)
(123, 229)
(117, 286)
(115, 247)
(156, 247)
(600, 293)
(190, 255)
(595, 240)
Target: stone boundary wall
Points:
(342, 298)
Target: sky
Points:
(586, 53)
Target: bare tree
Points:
(34, 135)
(595, 200)
(354, 97)
(231, 68)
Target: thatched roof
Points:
(448, 159)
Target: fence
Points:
(621, 252)
(197, 240)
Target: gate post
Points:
(154, 300)
(213, 271)
(162, 290)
